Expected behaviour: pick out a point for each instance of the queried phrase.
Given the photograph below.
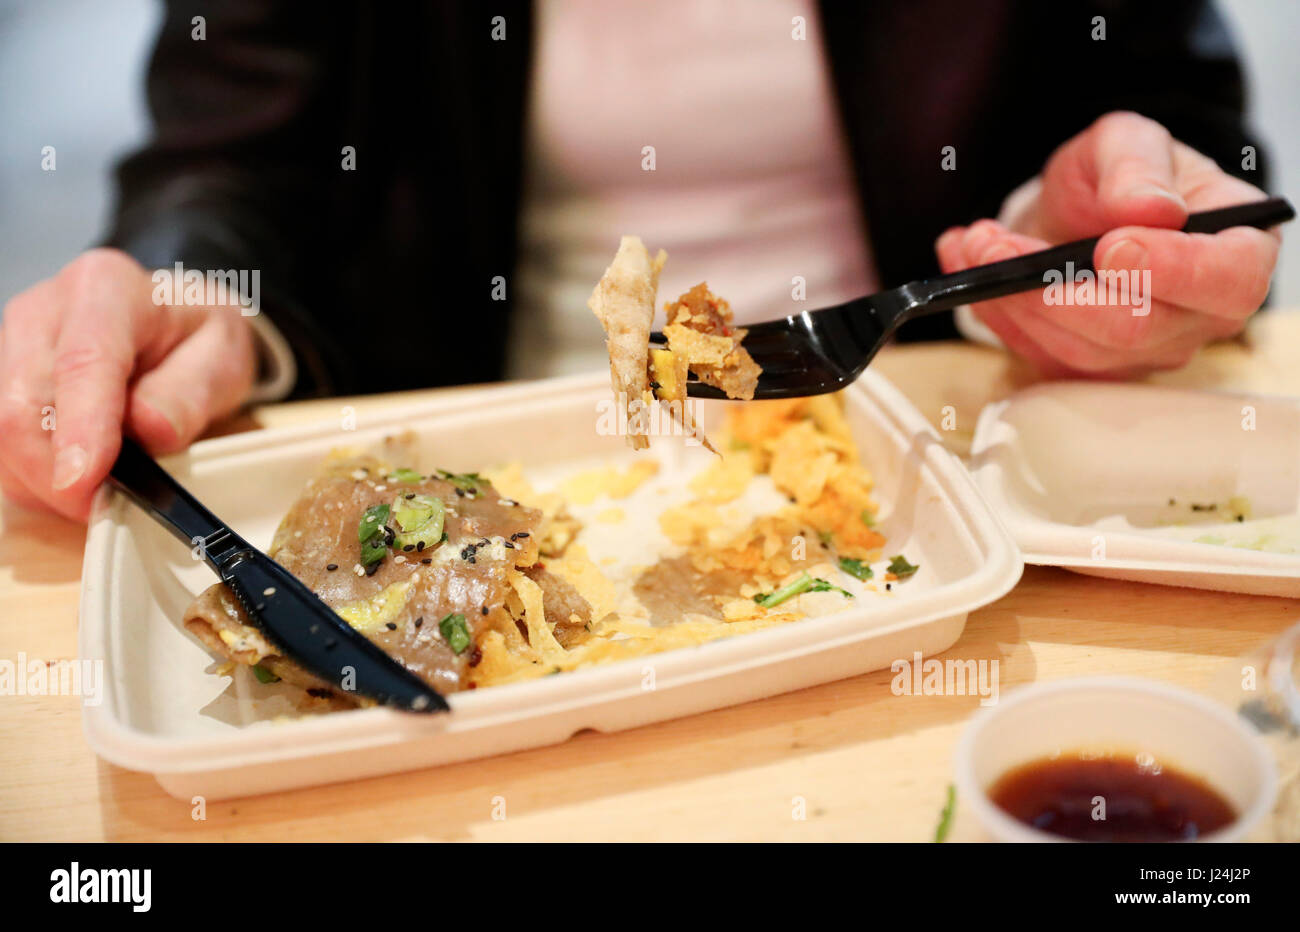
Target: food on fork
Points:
(701, 333)
(701, 339)
(624, 303)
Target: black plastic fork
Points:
(826, 350)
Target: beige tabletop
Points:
(869, 765)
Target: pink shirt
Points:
(751, 185)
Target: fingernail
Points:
(1126, 254)
(69, 466)
(997, 252)
(1153, 190)
(169, 412)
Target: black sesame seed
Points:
(408, 548)
(485, 609)
(508, 544)
(460, 492)
(332, 567)
(518, 535)
(419, 545)
(370, 570)
(390, 626)
(419, 621)
(410, 495)
(427, 560)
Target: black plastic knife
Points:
(292, 616)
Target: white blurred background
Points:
(72, 71)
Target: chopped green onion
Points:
(404, 475)
(900, 567)
(372, 522)
(264, 675)
(945, 816)
(455, 631)
(420, 518)
(868, 518)
(856, 568)
(469, 481)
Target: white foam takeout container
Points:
(1083, 474)
(164, 712)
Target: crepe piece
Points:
(624, 303)
(400, 603)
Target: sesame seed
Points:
(427, 561)
(268, 591)
(331, 567)
(359, 570)
(390, 626)
(419, 621)
(399, 559)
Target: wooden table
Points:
(871, 766)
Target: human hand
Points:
(1126, 175)
(89, 353)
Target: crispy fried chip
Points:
(700, 330)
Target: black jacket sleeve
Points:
(363, 157)
(243, 108)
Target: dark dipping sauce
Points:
(1057, 795)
